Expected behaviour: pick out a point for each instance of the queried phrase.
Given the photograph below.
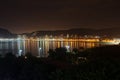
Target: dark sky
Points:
(31, 15)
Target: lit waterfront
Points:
(40, 46)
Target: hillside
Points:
(109, 32)
(4, 33)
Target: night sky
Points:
(20, 16)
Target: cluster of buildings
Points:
(39, 45)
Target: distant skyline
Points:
(19, 16)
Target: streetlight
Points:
(67, 47)
(20, 52)
(40, 51)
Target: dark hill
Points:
(4, 33)
(108, 32)
(80, 31)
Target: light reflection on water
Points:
(40, 47)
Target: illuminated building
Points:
(39, 46)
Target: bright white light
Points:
(20, 50)
(39, 52)
(53, 39)
(116, 43)
(67, 47)
(40, 48)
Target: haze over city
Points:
(32, 15)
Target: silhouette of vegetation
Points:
(103, 63)
(52, 53)
(58, 53)
(28, 54)
(75, 51)
(61, 55)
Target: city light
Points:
(20, 52)
(67, 47)
(40, 48)
(39, 52)
(21, 45)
